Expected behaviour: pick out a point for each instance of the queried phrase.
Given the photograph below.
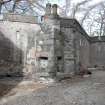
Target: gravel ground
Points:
(77, 91)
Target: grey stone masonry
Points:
(54, 45)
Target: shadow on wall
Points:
(10, 65)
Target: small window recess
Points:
(43, 58)
(59, 58)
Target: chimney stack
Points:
(51, 11)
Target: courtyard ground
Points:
(76, 91)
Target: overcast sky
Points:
(74, 1)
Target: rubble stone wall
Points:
(68, 50)
(97, 54)
(76, 45)
(82, 49)
(17, 44)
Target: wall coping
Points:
(19, 18)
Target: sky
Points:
(92, 2)
(74, 1)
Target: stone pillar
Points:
(48, 9)
(52, 64)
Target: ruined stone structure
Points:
(45, 46)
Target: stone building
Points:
(47, 45)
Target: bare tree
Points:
(96, 18)
(17, 5)
(77, 7)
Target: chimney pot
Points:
(54, 9)
(48, 9)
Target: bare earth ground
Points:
(75, 91)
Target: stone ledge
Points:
(19, 18)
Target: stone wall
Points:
(43, 49)
(76, 45)
(97, 54)
(68, 50)
(17, 43)
(40, 45)
(55, 45)
(82, 48)
(79, 47)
